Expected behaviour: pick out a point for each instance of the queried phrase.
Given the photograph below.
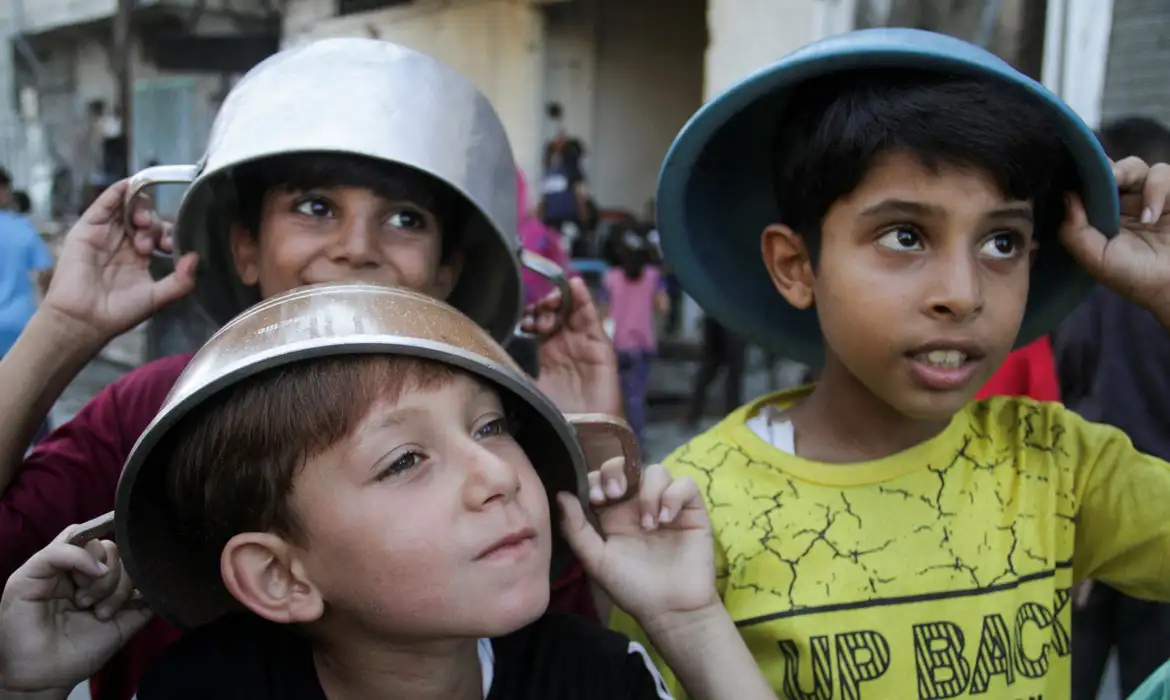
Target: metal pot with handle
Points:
(377, 100)
(323, 321)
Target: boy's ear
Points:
(246, 254)
(447, 275)
(265, 574)
(789, 264)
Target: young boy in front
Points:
(320, 204)
(394, 545)
(880, 535)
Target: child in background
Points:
(536, 237)
(634, 293)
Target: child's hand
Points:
(578, 368)
(64, 614)
(658, 555)
(102, 286)
(1136, 262)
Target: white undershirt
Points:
(487, 664)
(775, 429)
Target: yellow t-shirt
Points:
(939, 572)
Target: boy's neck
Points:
(358, 668)
(842, 421)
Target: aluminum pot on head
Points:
(320, 321)
(367, 98)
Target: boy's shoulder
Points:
(237, 656)
(569, 657)
(1001, 425)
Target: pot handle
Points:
(96, 529)
(99, 527)
(603, 437)
(156, 175)
(552, 272)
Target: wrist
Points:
(57, 330)
(686, 623)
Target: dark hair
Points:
(553, 110)
(632, 250)
(839, 126)
(1146, 138)
(231, 462)
(306, 171)
(21, 202)
(5, 178)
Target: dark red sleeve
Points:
(1029, 371)
(571, 594)
(73, 474)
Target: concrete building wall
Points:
(649, 82)
(497, 44)
(628, 75)
(1137, 77)
(747, 35)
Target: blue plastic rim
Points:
(715, 190)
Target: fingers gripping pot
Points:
(376, 100)
(320, 321)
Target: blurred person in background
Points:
(634, 293)
(538, 238)
(1113, 363)
(721, 348)
(21, 203)
(565, 204)
(23, 254)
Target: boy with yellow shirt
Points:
(920, 208)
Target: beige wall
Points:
(747, 35)
(629, 74)
(497, 44)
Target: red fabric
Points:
(72, 477)
(1029, 371)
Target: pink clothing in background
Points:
(631, 306)
(540, 239)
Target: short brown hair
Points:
(231, 462)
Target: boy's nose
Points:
(490, 478)
(956, 289)
(358, 245)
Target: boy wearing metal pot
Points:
(908, 207)
(394, 545)
(364, 194)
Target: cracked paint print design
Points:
(944, 578)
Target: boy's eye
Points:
(901, 238)
(1002, 246)
(407, 219)
(402, 464)
(494, 428)
(314, 206)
